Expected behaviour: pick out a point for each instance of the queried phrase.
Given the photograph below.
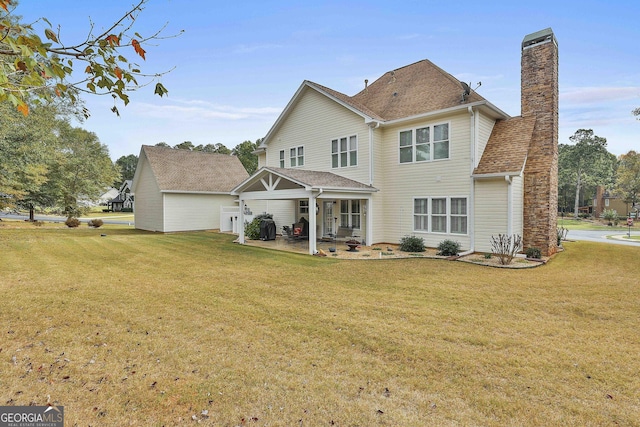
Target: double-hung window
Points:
(424, 144)
(303, 207)
(344, 152)
(350, 213)
(446, 215)
(296, 156)
(282, 158)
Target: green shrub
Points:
(610, 215)
(448, 248)
(126, 210)
(72, 222)
(412, 244)
(534, 253)
(487, 255)
(252, 229)
(95, 223)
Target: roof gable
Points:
(506, 150)
(193, 171)
(287, 179)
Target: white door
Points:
(328, 219)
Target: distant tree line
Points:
(586, 164)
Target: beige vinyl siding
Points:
(400, 183)
(284, 211)
(148, 200)
(262, 160)
(485, 127)
(186, 212)
(312, 124)
(490, 212)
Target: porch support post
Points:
(240, 224)
(369, 222)
(312, 224)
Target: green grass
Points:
(583, 224)
(138, 328)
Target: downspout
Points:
(509, 205)
(472, 195)
(371, 137)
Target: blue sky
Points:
(237, 64)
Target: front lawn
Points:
(137, 328)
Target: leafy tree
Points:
(244, 152)
(628, 177)
(586, 162)
(25, 153)
(33, 69)
(163, 144)
(636, 112)
(186, 145)
(127, 167)
(213, 148)
(82, 169)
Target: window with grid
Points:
(296, 156)
(459, 215)
(421, 214)
(350, 213)
(439, 215)
(282, 158)
(344, 152)
(424, 144)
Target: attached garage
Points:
(182, 190)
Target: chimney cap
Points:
(538, 37)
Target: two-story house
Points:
(417, 152)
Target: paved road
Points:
(107, 220)
(603, 236)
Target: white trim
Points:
(448, 215)
(348, 152)
(447, 111)
(431, 143)
(297, 157)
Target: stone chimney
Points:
(540, 99)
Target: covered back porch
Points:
(333, 206)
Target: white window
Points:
(303, 207)
(296, 156)
(344, 152)
(440, 215)
(421, 214)
(282, 158)
(424, 144)
(459, 215)
(350, 213)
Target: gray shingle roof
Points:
(319, 179)
(194, 171)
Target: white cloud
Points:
(597, 95)
(193, 110)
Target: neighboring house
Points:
(107, 196)
(417, 153)
(124, 199)
(182, 190)
(606, 200)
